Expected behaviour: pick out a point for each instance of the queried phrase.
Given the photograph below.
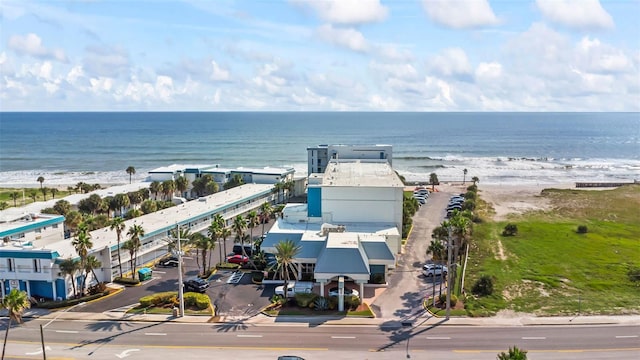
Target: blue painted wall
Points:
(314, 202)
(61, 290)
(41, 289)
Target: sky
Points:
(320, 55)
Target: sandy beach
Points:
(508, 199)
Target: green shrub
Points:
(443, 299)
(158, 299)
(634, 274)
(483, 286)
(469, 204)
(513, 354)
(333, 302)
(257, 276)
(470, 195)
(473, 188)
(228, 266)
(201, 301)
(69, 302)
(97, 288)
(126, 281)
(277, 300)
(582, 229)
(510, 230)
(321, 303)
(351, 302)
(303, 300)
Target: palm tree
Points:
(72, 220)
(54, 191)
(265, 213)
(130, 246)
(130, 170)
(155, 187)
(172, 242)
(40, 180)
(464, 178)
(225, 232)
(513, 354)
(3, 205)
(214, 231)
(286, 251)
(82, 244)
(117, 224)
(69, 267)
(239, 226)
(203, 243)
(16, 302)
(433, 180)
(168, 188)
(475, 180)
(33, 194)
(437, 250)
(121, 202)
(45, 191)
(252, 221)
(182, 184)
(90, 265)
(136, 232)
(14, 196)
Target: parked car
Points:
(347, 292)
(424, 192)
(196, 285)
(237, 249)
(294, 287)
(421, 200)
(168, 261)
(430, 270)
(238, 259)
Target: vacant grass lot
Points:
(550, 269)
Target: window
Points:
(11, 265)
(55, 226)
(36, 266)
(38, 231)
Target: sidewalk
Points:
(422, 320)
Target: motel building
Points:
(32, 245)
(350, 227)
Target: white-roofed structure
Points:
(350, 227)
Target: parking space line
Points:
(533, 337)
(343, 337)
(155, 334)
(250, 336)
(438, 338)
(67, 331)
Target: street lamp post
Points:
(180, 285)
(448, 272)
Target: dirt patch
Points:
(508, 200)
(500, 253)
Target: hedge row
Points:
(201, 301)
(70, 302)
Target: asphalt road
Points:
(109, 339)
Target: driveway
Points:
(402, 299)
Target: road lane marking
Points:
(38, 352)
(155, 334)
(125, 353)
(533, 337)
(438, 338)
(159, 272)
(250, 336)
(343, 337)
(626, 336)
(67, 331)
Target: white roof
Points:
(365, 173)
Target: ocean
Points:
(498, 148)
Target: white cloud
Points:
(452, 62)
(594, 56)
(31, 44)
(308, 98)
(402, 71)
(580, 14)
(218, 73)
(384, 103)
(74, 74)
(348, 38)
(347, 11)
(460, 14)
(106, 61)
(101, 84)
(488, 72)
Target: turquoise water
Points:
(497, 147)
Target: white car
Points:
(347, 292)
(295, 287)
(430, 270)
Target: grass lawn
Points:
(550, 269)
(5, 195)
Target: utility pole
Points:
(180, 285)
(448, 271)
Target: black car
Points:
(196, 285)
(169, 261)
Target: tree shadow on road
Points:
(405, 331)
(108, 326)
(107, 339)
